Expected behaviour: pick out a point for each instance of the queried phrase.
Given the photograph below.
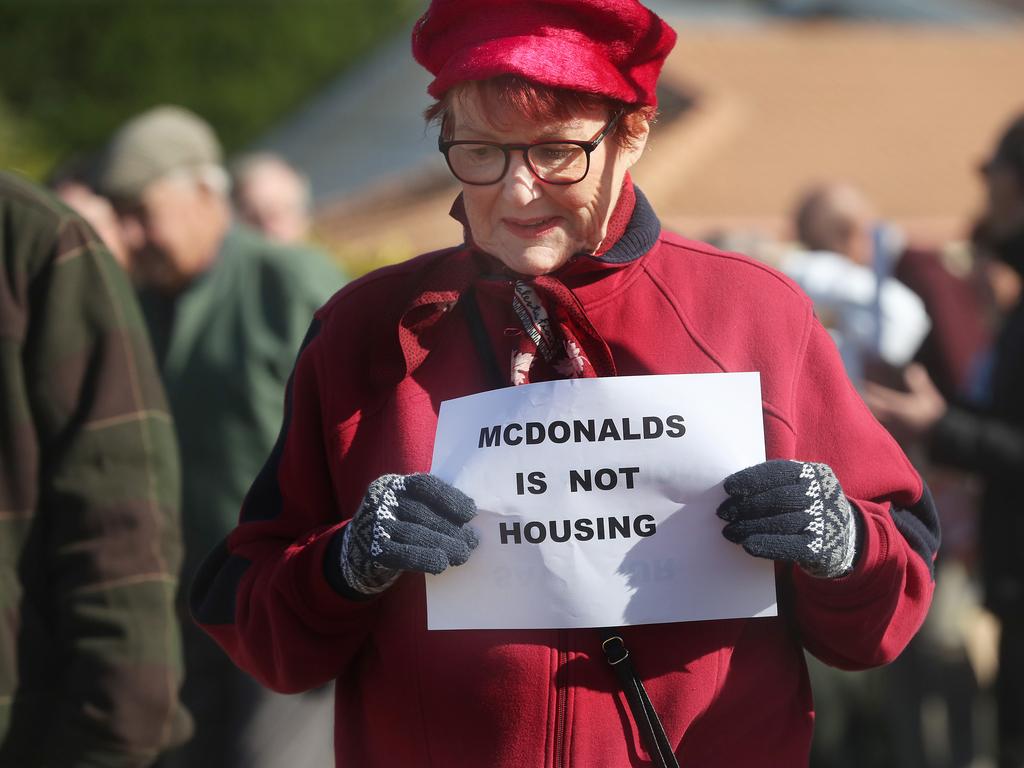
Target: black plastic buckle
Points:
(614, 645)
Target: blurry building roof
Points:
(365, 126)
(905, 112)
(930, 11)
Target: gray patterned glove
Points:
(406, 523)
(793, 511)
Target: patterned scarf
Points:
(562, 344)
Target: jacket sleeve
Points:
(108, 503)
(867, 617)
(283, 289)
(978, 442)
(265, 594)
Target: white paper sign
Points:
(597, 502)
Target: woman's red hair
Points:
(539, 103)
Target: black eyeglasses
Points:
(553, 162)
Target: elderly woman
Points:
(544, 105)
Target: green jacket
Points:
(90, 654)
(226, 347)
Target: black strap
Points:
(651, 730)
(480, 340)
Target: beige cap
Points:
(151, 145)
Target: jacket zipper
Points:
(561, 699)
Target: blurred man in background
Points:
(876, 321)
(227, 310)
(989, 442)
(836, 217)
(89, 501)
(272, 197)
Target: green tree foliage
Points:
(72, 70)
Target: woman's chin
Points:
(534, 261)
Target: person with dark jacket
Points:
(990, 441)
(90, 651)
(565, 273)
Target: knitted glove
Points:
(406, 523)
(794, 511)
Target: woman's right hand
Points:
(406, 523)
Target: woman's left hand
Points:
(793, 511)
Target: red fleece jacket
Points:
(380, 358)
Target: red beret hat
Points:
(614, 48)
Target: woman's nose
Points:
(520, 185)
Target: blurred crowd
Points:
(222, 266)
(933, 337)
(227, 282)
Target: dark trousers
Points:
(1010, 691)
(240, 724)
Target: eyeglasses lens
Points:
(558, 163)
(477, 163)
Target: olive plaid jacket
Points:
(90, 542)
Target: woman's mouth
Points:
(530, 228)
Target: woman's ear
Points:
(637, 141)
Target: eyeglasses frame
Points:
(587, 146)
